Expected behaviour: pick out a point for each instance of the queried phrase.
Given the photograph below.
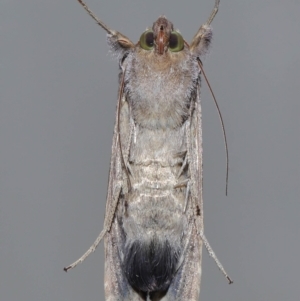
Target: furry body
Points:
(153, 249)
(153, 227)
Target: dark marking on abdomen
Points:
(150, 267)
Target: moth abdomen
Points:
(150, 267)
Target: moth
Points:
(153, 228)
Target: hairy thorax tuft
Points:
(159, 88)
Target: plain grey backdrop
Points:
(58, 90)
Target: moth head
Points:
(161, 38)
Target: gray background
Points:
(58, 97)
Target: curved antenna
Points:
(213, 13)
(121, 39)
(98, 21)
(222, 123)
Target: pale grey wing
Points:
(186, 283)
(196, 153)
(115, 282)
(117, 175)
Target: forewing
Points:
(186, 283)
(192, 267)
(116, 285)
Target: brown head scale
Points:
(162, 29)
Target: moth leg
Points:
(183, 166)
(181, 184)
(107, 224)
(214, 257)
(185, 183)
(128, 166)
(202, 39)
(187, 193)
(213, 13)
(128, 143)
(119, 38)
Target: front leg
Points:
(201, 41)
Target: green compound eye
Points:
(176, 42)
(147, 40)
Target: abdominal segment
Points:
(155, 226)
(153, 215)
